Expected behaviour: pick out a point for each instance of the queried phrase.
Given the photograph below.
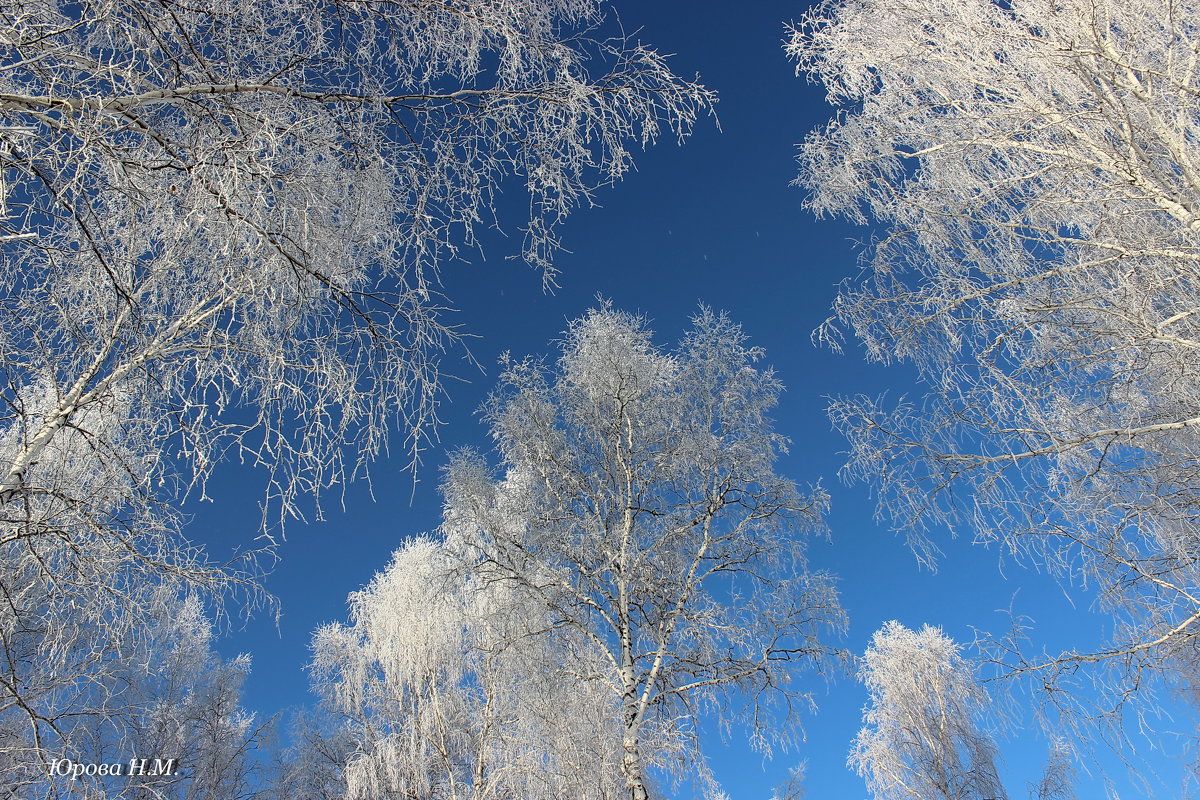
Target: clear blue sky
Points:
(713, 221)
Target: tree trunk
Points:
(631, 765)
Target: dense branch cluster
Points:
(928, 725)
(638, 556)
(221, 226)
(247, 204)
(447, 685)
(923, 738)
(1034, 168)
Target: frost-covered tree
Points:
(224, 204)
(638, 505)
(1058, 777)
(313, 764)
(90, 575)
(455, 686)
(221, 225)
(922, 738)
(161, 695)
(1033, 168)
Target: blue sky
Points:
(714, 221)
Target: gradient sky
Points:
(714, 221)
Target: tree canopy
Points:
(232, 232)
(923, 736)
(1033, 171)
(640, 524)
(221, 230)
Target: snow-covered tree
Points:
(91, 568)
(639, 563)
(160, 706)
(1033, 168)
(229, 204)
(1058, 777)
(221, 225)
(638, 506)
(313, 765)
(922, 738)
(459, 687)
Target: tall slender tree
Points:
(638, 562)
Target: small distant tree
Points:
(312, 765)
(639, 507)
(1058, 776)
(1033, 168)
(792, 787)
(922, 738)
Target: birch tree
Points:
(451, 686)
(1034, 174)
(226, 205)
(637, 503)
(922, 738)
(161, 695)
(221, 227)
(313, 765)
(91, 569)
